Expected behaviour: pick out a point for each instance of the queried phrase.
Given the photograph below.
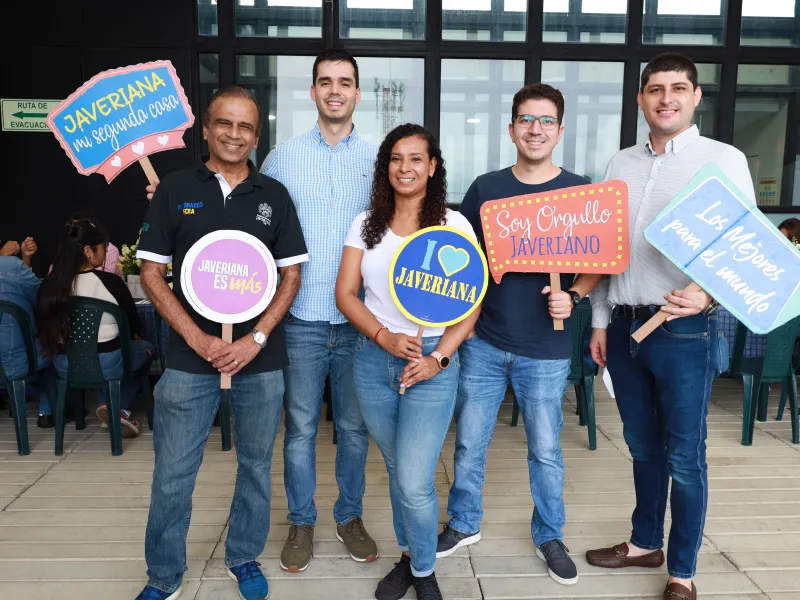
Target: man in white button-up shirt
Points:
(663, 385)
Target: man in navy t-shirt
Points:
(516, 343)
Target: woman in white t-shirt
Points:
(409, 193)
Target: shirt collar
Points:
(676, 144)
(316, 133)
(204, 173)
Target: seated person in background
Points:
(111, 262)
(81, 251)
(791, 229)
(19, 286)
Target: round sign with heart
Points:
(229, 276)
(438, 276)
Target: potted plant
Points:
(132, 266)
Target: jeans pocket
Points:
(361, 341)
(694, 327)
(288, 318)
(723, 354)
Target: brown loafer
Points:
(676, 591)
(617, 558)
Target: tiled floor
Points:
(73, 528)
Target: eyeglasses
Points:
(547, 123)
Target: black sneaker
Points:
(451, 540)
(46, 421)
(427, 588)
(559, 564)
(395, 585)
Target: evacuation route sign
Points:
(26, 114)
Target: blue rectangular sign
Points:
(726, 245)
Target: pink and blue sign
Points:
(438, 276)
(229, 277)
(120, 116)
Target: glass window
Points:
(766, 112)
(391, 94)
(282, 85)
(705, 115)
(502, 21)
(279, 18)
(207, 22)
(592, 114)
(208, 83)
(598, 21)
(770, 23)
(475, 112)
(686, 22)
(382, 19)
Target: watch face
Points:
(444, 362)
(259, 337)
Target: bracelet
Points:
(377, 333)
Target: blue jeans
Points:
(142, 354)
(15, 364)
(662, 387)
(185, 406)
(317, 350)
(410, 431)
(539, 386)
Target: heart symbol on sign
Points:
(115, 162)
(163, 139)
(453, 259)
(138, 148)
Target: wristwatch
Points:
(259, 337)
(576, 297)
(711, 307)
(444, 361)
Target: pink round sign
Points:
(229, 276)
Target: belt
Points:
(635, 313)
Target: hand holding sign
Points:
(730, 250)
(437, 277)
(229, 277)
(582, 229)
(121, 116)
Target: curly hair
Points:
(381, 210)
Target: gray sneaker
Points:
(559, 564)
(298, 549)
(361, 547)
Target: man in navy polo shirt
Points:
(223, 191)
(515, 343)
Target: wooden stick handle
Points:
(148, 169)
(657, 319)
(555, 287)
(227, 336)
(419, 337)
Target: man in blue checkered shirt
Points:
(328, 172)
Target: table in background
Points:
(755, 344)
(156, 331)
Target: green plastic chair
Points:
(580, 375)
(784, 388)
(774, 367)
(16, 387)
(85, 372)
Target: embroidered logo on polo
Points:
(188, 208)
(264, 213)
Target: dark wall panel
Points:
(39, 187)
